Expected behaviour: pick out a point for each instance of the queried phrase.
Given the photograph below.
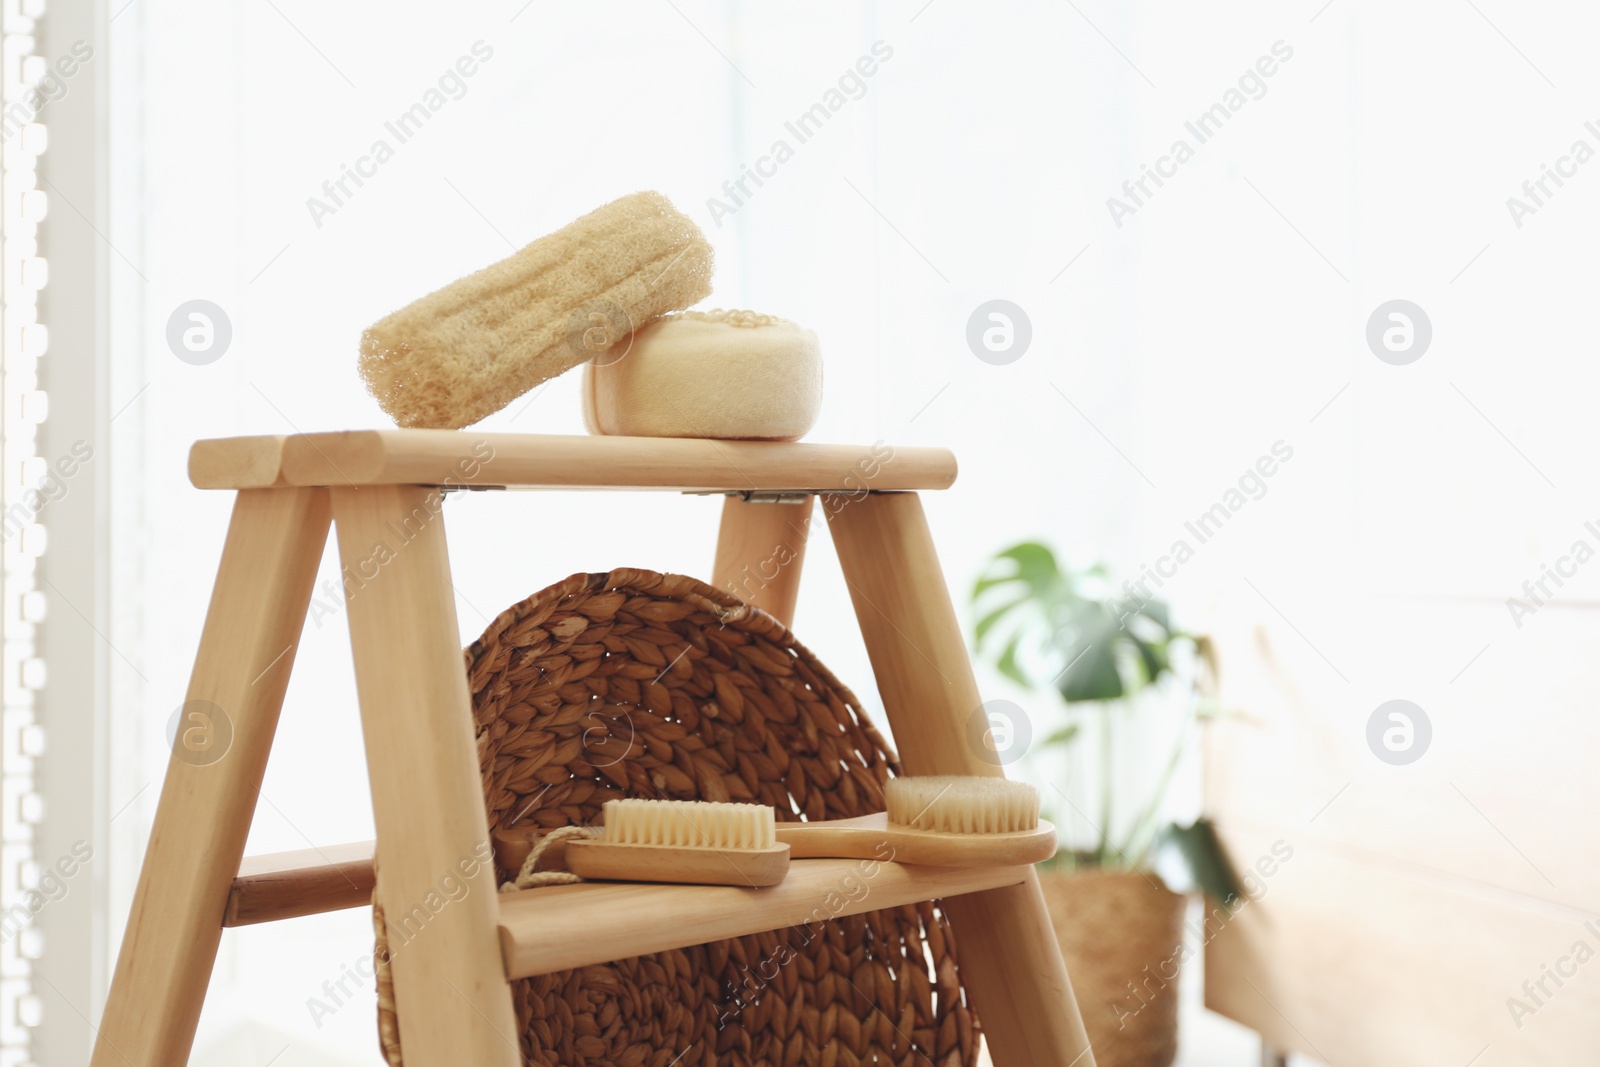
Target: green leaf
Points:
(1029, 564)
(987, 623)
(1007, 663)
(1088, 642)
(1153, 657)
(1062, 737)
(1202, 854)
(984, 584)
(1156, 612)
(1094, 676)
(1036, 567)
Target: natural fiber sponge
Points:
(469, 349)
(727, 374)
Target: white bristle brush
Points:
(932, 821)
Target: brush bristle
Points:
(690, 824)
(962, 805)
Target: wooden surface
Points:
(555, 461)
(1010, 960)
(435, 871)
(258, 609)
(286, 885)
(558, 927)
(1351, 959)
(761, 548)
(1420, 896)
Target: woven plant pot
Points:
(638, 684)
(1120, 934)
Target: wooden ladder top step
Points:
(466, 458)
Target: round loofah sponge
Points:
(724, 374)
(469, 349)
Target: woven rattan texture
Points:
(641, 684)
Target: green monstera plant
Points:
(1048, 628)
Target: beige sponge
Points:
(469, 349)
(727, 374)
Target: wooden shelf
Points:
(562, 461)
(558, 927)
(565, 926)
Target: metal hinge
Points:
(758, 496)
(773, 496)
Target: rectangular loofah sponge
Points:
(469, 349)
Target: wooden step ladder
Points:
(382, 491)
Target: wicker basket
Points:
(1121, 935)
(638, 684)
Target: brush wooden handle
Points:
(874, 837)
(608, 861)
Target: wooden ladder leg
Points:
(760, 550)
(1009, 957)
(435, 866)
(258, 609)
